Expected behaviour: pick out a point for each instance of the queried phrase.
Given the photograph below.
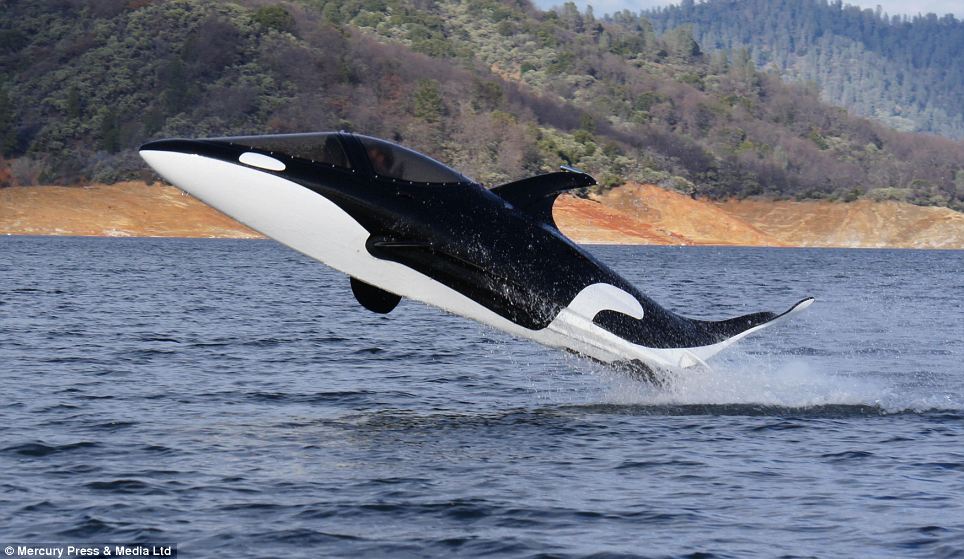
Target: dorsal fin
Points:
(535, 195)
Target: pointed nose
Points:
(161, 154)
(164, 156)
(173, 145)
(188, 163)
(176, 159)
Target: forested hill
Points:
(497, 89)
(906, 72)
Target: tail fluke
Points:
(732, 330)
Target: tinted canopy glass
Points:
(393, 161)
(318, 147)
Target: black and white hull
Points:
(492, 256)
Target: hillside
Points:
(863, 223)
(498, 89)
(907, 72)
(624, 214)
(629, 214)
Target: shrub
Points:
(275, 17)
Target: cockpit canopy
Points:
(395, 162)
(385, 159)
(323, 147)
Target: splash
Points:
(772, 382)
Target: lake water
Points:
(232, 398)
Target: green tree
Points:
(110, 132)
(571, 18)
(681, 44)
(274, 17)
(176, 91)
(8, 132)
(427, 101)
(74, 106)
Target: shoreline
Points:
(584, 243)
(632, 214)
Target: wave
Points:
(754, 385)
(40, 449)
(745, 410)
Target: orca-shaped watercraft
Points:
(401, 224)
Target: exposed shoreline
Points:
(632, 214)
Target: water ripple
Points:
(233, 397)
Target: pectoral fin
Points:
(374, 298)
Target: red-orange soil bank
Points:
(631, 214)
